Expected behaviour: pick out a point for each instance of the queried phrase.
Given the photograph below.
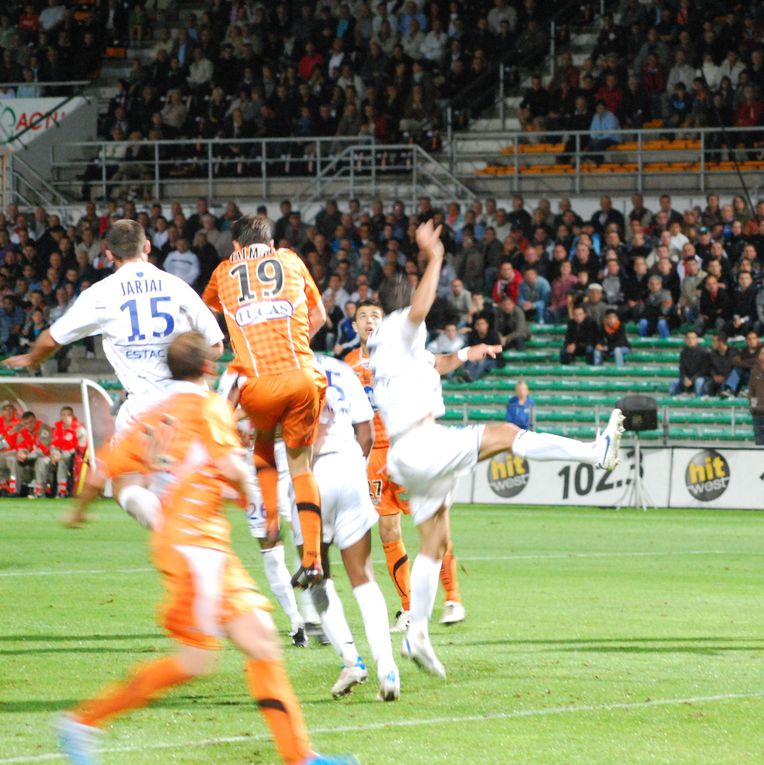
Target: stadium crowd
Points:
(679, 65)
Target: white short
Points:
(287, 507)
(131, 409)
(428, 461)
(346, 509)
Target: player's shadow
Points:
(711, 645)
(76, 638)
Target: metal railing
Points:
(692, 156)
(204, 162)
(45, 88)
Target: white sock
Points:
(425, 574)
(142, 505)
(280, 582)
(307, 609)
(546, 446)
(333, 621)
(374, 612)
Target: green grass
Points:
(592, 637)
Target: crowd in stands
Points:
(240, 70)
(657, 269)
(681, 65)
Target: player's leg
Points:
(371, 602)
(337, 630)
(14, 479)
(267, 473)
(398, 566)
(254, 634)
(63, 473)
(41, 475)
(602, 452)
(134, 497)
(453, 610)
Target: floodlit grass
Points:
(593, 636)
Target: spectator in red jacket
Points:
(507, 282)
(611, 93)
(29, 461)
(9, 419)
(69, 440)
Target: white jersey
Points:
(138, 310)
(346, 405)
(407, 386)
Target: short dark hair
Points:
(29, 413)
(369, 303)
(186, 356)
(125, 239)
(252, 229)
(67, 409)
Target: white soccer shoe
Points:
(402, 621)
(607, 445)
(453, 613)
(77, 741)
(390, 686)
(349, 677)
(417, 647)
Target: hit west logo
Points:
(508, 474)
(707, 475)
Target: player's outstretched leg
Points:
(602, 452)
(280, 581)
(453, 610)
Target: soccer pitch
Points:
(592, 636)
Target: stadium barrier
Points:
(731, 478)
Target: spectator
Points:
(594, 305)
(561, 287)
(481, 333)
(694, 367)
(744, 362)
(580, 337)
(12, 318)
(714, 306)
(602, 133)
(689, 298)
(183, 263)
(449, 340)
(347, 336)
(658, 312)
(534, 295)
(520, 407)
(722, 375)
(69, 439)
(507, 283)
(28, 461)
(460, 300)
(511, 325)
(743, 305)
(613, 341)
(756, 396)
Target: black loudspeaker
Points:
(640, 413)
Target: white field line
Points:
(466, 558)
(413, 723)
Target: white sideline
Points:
(518, 714)
(466, 558)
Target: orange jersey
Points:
(360, 365)
(266, 296)
(178, 442)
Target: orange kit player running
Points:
(388, 496)
(191, 450)
(272, 308)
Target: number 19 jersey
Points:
(138, 310)
(266, 296)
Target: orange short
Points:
(206, 588)
(386, 495)
(291, 398)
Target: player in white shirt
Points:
(138, 310)
(427, 458)
(344, 440)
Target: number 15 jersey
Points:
(266, 296)
(138, 310)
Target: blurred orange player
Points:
(191, 450)
(387, 496)
(272, 308)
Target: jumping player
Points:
(427, 457)
(387, 496)
(272, 308)
(190, 449)
(138, 310)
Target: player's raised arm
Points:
(43, 348)
(428, 239)
(316, 308)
